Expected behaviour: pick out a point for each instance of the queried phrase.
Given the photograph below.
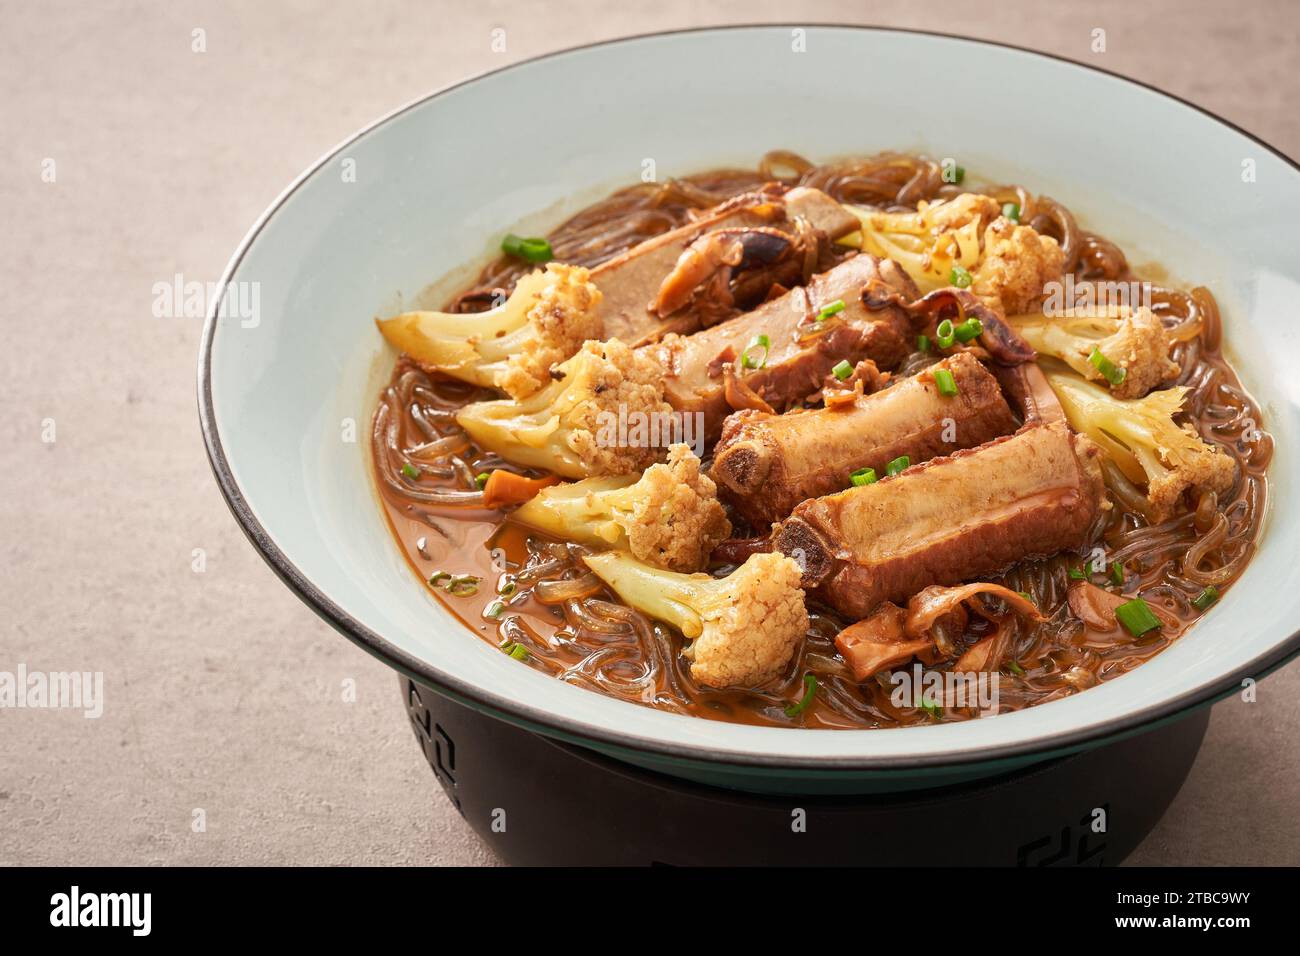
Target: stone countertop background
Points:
(224, 692)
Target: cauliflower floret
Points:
(472, 347)
(670, 518)
(1128, 349)
(963, 240)
(1145, 444)
(565, 315)
(1016, 265)
(598, 416)
(677, 520)
(1195, 466)
(744, 628)
(750, 640)
(1141, 347)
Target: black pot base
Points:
(536, 801)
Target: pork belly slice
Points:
(766, 464)
(802, 351)
(967, 515)
(630, 281)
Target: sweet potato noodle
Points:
(574, 629)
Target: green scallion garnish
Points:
(830, 308)
(931, 707)
(1137, 617)
(923, 343)
(1011, 210)
(809, 692)
(1206, 598)
(515, 649)
(1117, 573)
(410, 471)
(759, 341)
(842, 370)
(1015, 668)
(507, 589)
(863, 476)
(959, 174)
(528, 249)
(946, 383)
(481, 479)
(897, 465)
(463, 586)
(494, 609)
(439, 577)
(1109, 370)
(970, 329)
(959, 277)
(945, 334)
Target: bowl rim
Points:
(578, 731)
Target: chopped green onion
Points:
(959, 277)
(809, 692)
(970, 329)
(758, 341)
(923, 343)
(1206, 598)
(1109, 370)
(1026, 595)
(1015, 668)
(843, 370)
(463, 586)
(863, 476)
(1117, 572)
(944, 334)
(1011, 210)
(830, 308)
(1137, 617)
(959, 174)
(931, 708)
(897, 465)
(528, 249)
(1081, 574)
(515, 650)
(947, 385)
(481, 479)
(438, 578)
(494, 609)
(507, 589)
(410, 471)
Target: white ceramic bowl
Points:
(439, 181)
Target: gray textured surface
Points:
(223, 692)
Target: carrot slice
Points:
(507, 488)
